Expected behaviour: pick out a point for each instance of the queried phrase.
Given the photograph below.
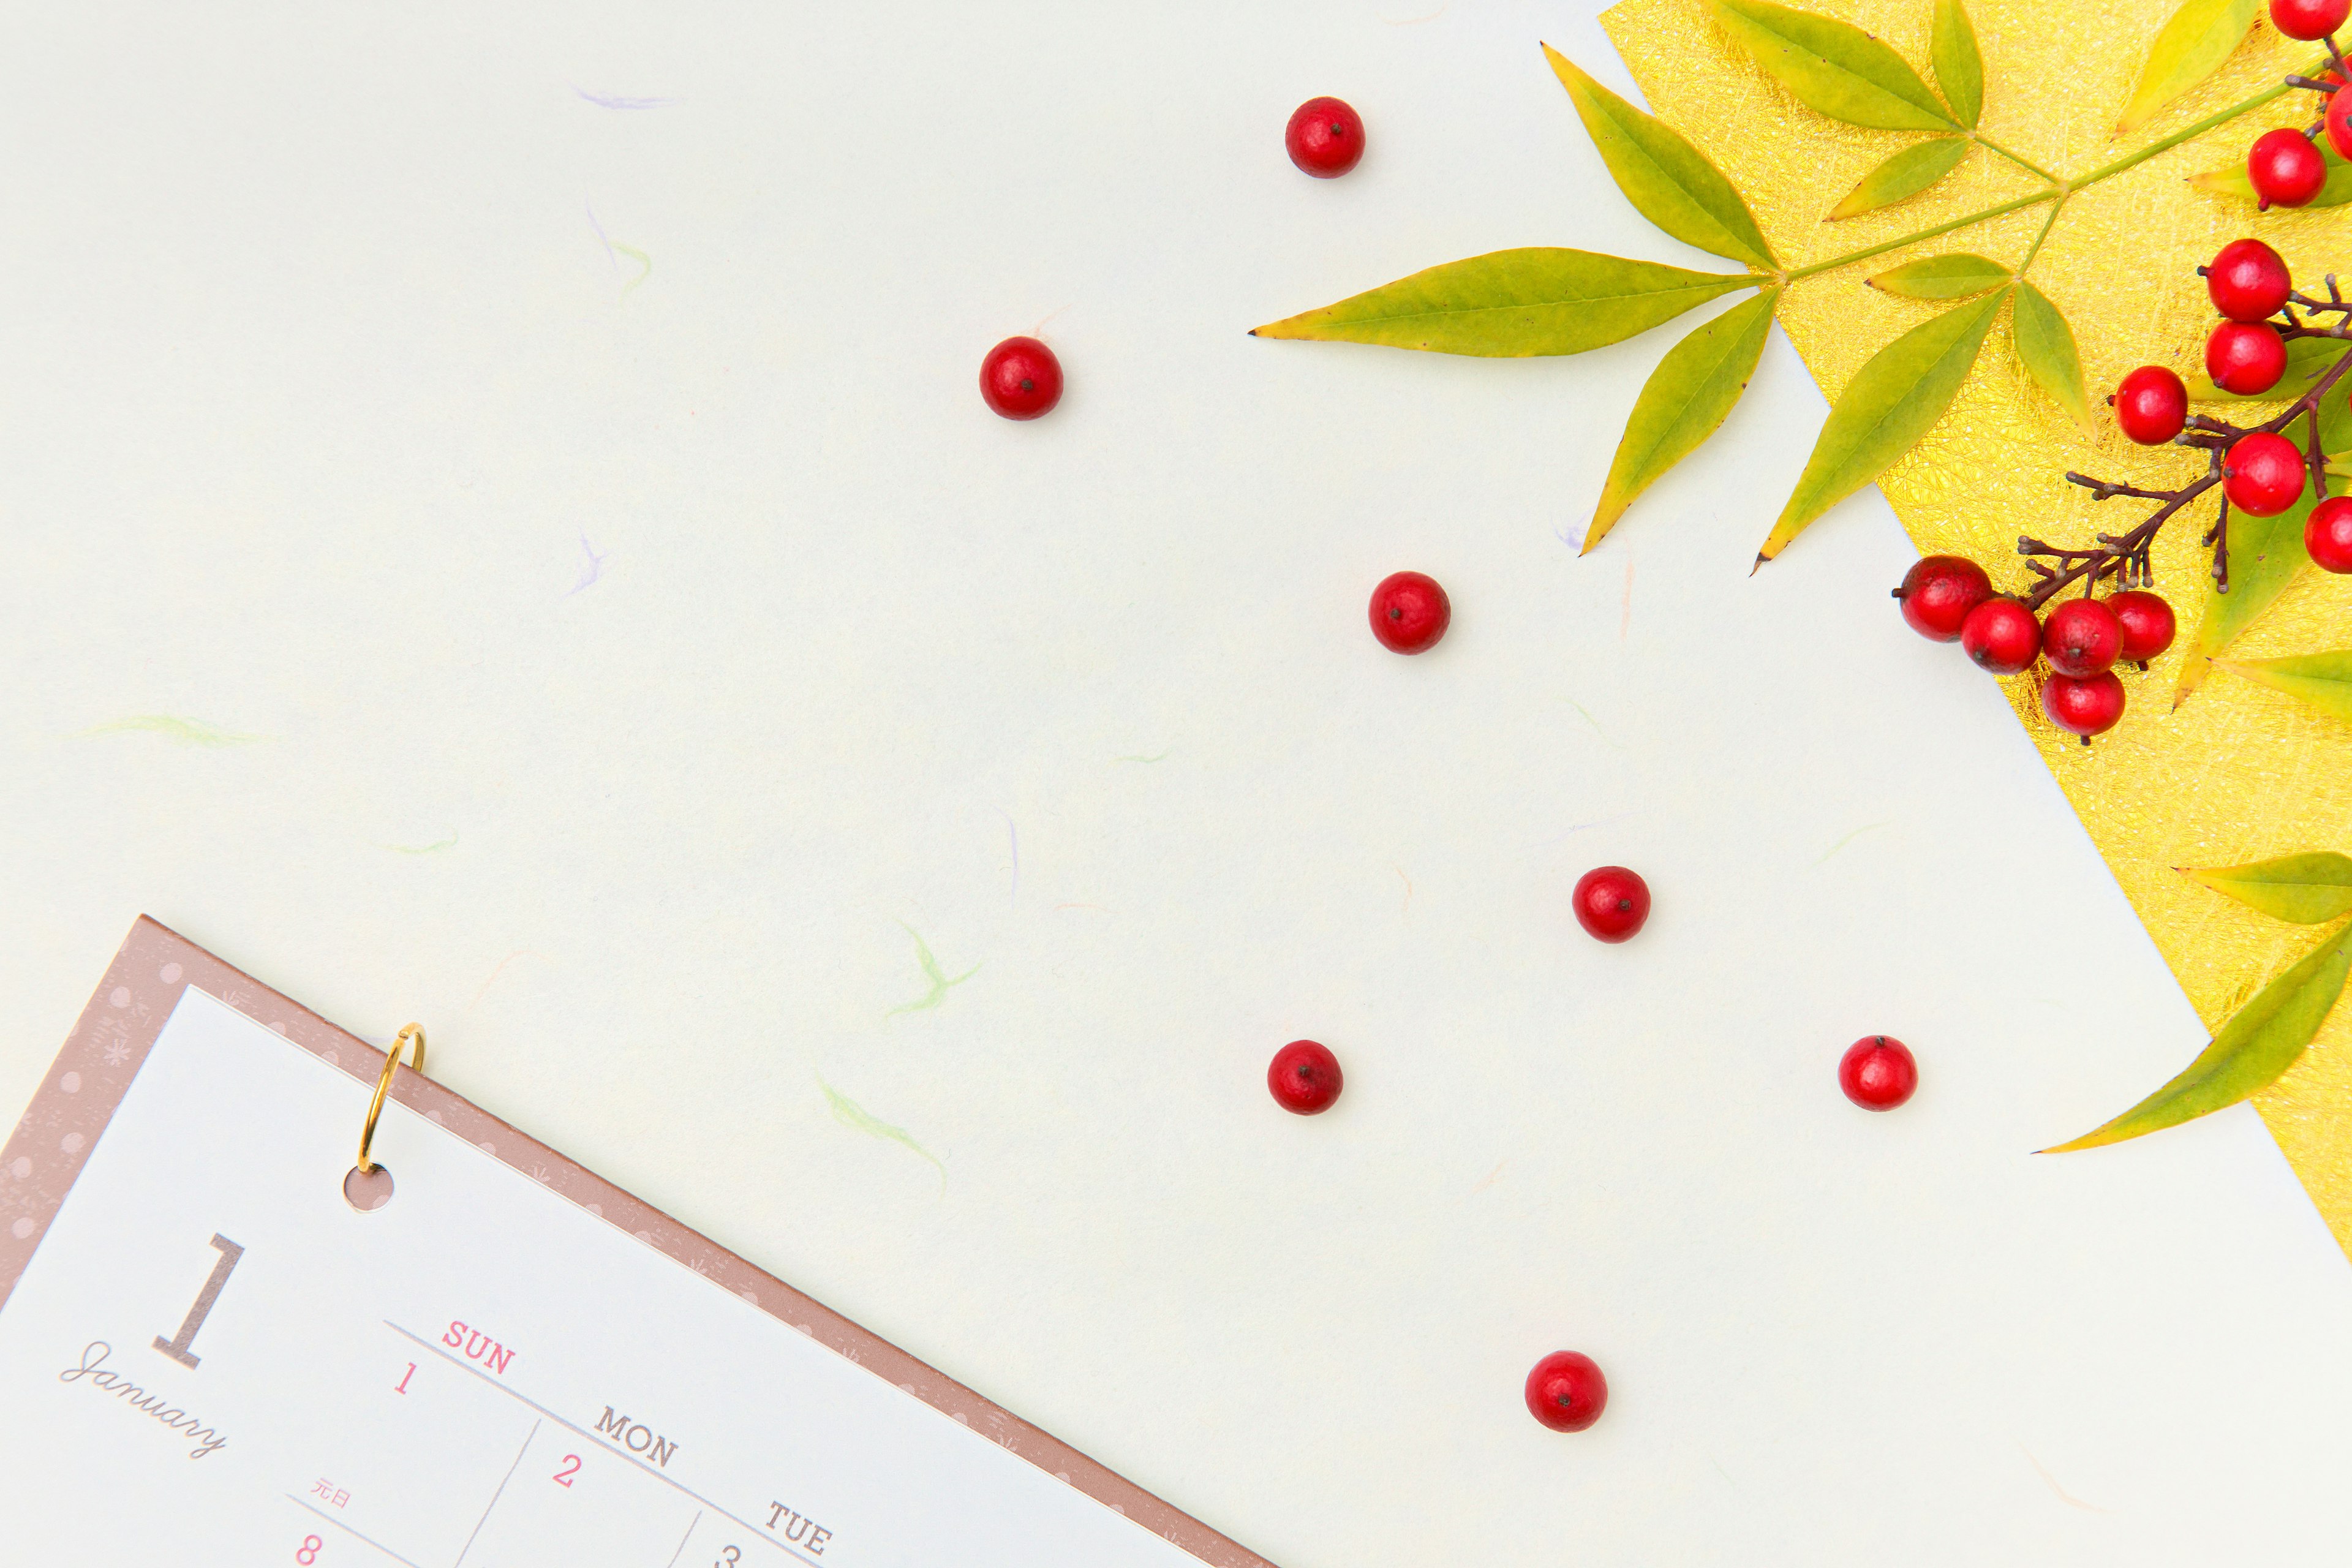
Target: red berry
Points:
(1938, 593)
(2327, 534)
(2338, 120)
(2151, 405)
(2001, 635)
(1303, 1078)
(2285, 169)
(2085, 707)
(1877, 1072)
(1021, 378)
(2082, 638)
(2147, 624)
(1325, 137)
(1410, 612)
(2245, 357)
(2309, 19)
(1565, 1392)
(2247, 281)
(1611, 903)
(2262, 474)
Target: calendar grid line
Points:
(586, 1436)
(684, 1539)
(347, 1530)
(499, 1493)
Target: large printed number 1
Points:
(177, 1346)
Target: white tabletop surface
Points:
(338, 339)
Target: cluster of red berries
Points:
(1022, 379)
(2262, 473)
(1949, 598)
(2285, 166)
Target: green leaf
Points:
(857, 1118)
(1954, 276)
(1683, 402)
(1833, 65)
(2265, 553)
(1891, 402)
(1508, 303)
(2308, 889)
(2191, 46)
(1906, 175)
(2322, 679)
(2250, 1053)
(2231, 180)
(2307, 360)
(2045, 346)
(1959, 65)
(1667, 178)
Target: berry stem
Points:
(2124, 558)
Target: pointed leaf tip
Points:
(1669, 182)
(1904, 176)
(1685, 400)
(1894, 399)
(2186, 49)
(2248, 1054)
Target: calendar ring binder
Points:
(411, 1035)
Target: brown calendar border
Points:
(155, 965)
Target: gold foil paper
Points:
(2236, 772)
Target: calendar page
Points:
(211, 1354)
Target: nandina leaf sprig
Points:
(1555, 301)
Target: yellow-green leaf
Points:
(2045, 346)
(1960, 65)
(2252, 1051)
(1833, 65)
(1891, 402)
(1541, 300)
(1906, 175)
(2322, 679)
(1667, 179)
(2265, 553)
(1683, 402)
(2231, 180)
(1954, 276)
(2307, 360)
(2309, 889)
(2190, 47)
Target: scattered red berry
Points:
(1938, 593)
(1877, 1072)
(2262, 474)
(2327, 534)
(2245, 357)
(2085, 707)
(2147, 624)
(2284, 168)
(1303, 1078)
(2308, 20)
(1566, 1391)
(2247, 281)
(2082, 638)
(2151, 405)
(2001, 635)
(1410, 612)
(1611, 903)
(1021, 378)
(1325, 137)
(2338, 120)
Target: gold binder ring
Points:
(414, 1035)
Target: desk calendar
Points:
(220, 1344)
